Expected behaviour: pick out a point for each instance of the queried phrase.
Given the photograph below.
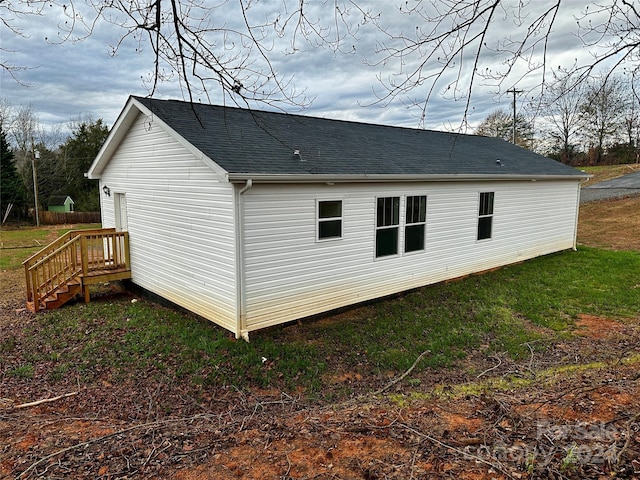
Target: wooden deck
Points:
(67, 266)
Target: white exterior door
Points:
(121, 212)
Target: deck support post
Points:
(85, 290)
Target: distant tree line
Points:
(579, 123)
(60, 166)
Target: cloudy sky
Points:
(63, 80)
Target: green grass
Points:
(501, 311)
(21, 371)
(18, 244)
(24, 237)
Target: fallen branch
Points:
(492, 368)
(627, 442)
(403, 376)
(45, 400)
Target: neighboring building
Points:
(61, 203)
(253, 219)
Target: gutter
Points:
(362, 178)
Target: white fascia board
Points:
(117, 133)
(327, 178)
(120, 129)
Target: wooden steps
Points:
(66, 267)
(58, 298)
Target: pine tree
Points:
(12, 189)
(79, 151)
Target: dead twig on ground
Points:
(629, 436)
(492, 368)
(45, 400)
(530, 358)
(403, 376)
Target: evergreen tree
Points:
(11, 187)
(78, 153)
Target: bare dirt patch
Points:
(598, 327)
(527, 433)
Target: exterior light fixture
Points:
(107, 191)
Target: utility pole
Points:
(514, 91)
(35, 155)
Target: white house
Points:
(252, 218)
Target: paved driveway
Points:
(615, 188)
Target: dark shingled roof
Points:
(256, 142)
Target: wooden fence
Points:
(59, 218)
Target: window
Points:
(329, 219)
(485, 215)
(387, 221)
(416, 217)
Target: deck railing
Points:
(57, 243)
(80, 253)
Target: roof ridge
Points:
(300, 115)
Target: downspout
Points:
(241, 327)
(247, 186)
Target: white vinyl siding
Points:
(180, 220)
(289, 274)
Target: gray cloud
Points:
(77, 78)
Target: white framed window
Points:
(485, 215)
(387, 226)
(415, 223)
(329, 219)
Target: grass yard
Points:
(501, 311)
(17, 244)
(614, 224)
(607, 172)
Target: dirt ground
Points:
(573, 412)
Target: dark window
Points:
(485, 215)
(387, 220)
(388, 211)
(329, 219)
(415, 221)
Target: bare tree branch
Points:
(424, 47)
